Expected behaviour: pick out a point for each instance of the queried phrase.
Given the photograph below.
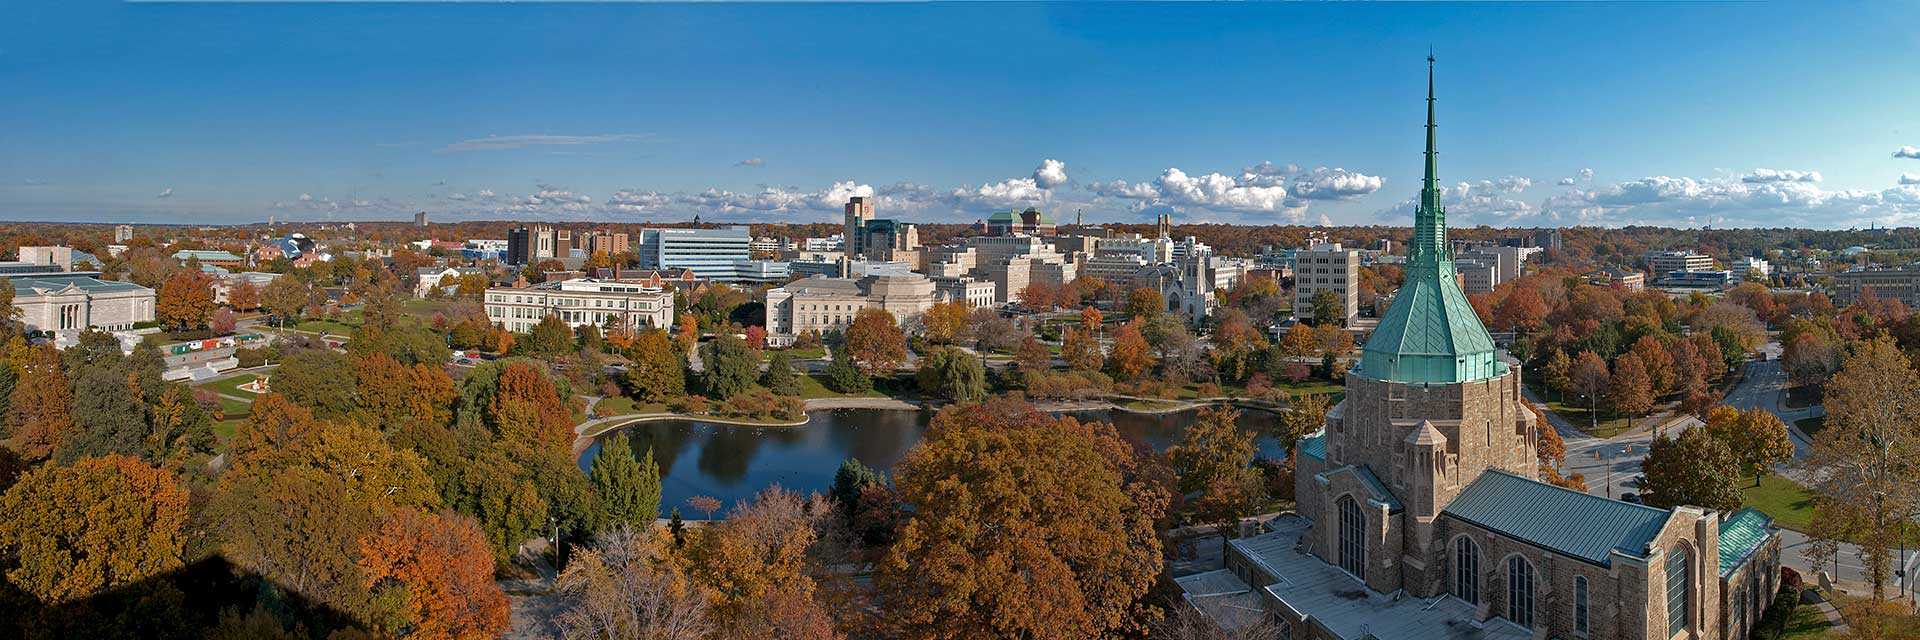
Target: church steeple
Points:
(1431, 334)
(1430, 221)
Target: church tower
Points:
(1429, 408)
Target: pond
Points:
(734, 463)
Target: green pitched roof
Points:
(1431, 334)
(1314, 446)
(1740, 534)
(1569, 522)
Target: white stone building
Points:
(821, 304)
(68, 304)
(580, 302)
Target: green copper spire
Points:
(1431, 334)
(1430, 222)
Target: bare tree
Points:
(619, 590)
(1186, 623)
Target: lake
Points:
(734, 462)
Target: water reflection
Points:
(733, 463)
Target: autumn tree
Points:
(1662, 377)
(432, 577)
(1215, 457)
(1630, 390)
(1305, 414)
(655, 373)
(1327, 308)
(875, 341)
(1022, 524)
(40, 417)
(184, 299)
(1521, 310)
(729, 366)
(318, 379)
(754, 567)
(1590, 379)
(1558, 373)
(1756, 437)
(1862, 461)
(945, 322)
(1131, 356)
(243, 296)
(1091, 319)
(96, 524)
(549, 337)
(1081, 350)
(1692, 469)
(1143, 303)
(285, 298)
(629, 489)
(1032, 357)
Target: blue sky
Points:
(1685, 114)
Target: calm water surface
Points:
(733, 463)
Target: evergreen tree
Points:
(779, 377)
(729, 366)
(953, 374)
(629, 489)
(844, 377)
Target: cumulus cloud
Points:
(165, 193)
(1246, 193)
(485, 193)
(495, 143)
(1910, 178)
(1908, 151)
(1778, 175)
(1012, 192)
(1566, 182)
(1051, 173)
(1679, 200)
(751, 162)
(1491, 201)
(1586, 174)
(1322, 183)
(457, 196)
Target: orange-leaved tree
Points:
(96, 524)
(442, 570)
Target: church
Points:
(1420, 512)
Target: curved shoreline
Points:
(587, 432)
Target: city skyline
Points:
(1675, 115)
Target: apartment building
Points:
(1326, 267)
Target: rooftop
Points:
(55, 284)
(1740, 534)
(1568, 522)
(1345, 606)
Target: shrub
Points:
(1774, 622)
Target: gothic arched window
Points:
(1353, 537)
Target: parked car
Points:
(1631, 497)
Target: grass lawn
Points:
(223, 431)
(231, 386)
(1578, 416)
(235, 408)
(1807, 624)
(811, 387)
(1311, 387)
(812, 353)
(622, 405)
(1789, 503)
(325, 326)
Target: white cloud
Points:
(1247, 193)
(1780, 175)
(494, 143)
(1495, 201)
(1910, 178)
(1908, 151)
(751, 162)
(486, 193)
(1586, 174)
(1333, 184)
(1670, 200)
(1051, 173)
(165, 193)
(1566, 182)
(461, 197)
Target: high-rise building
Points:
(608, 242)
(859, 212)
(1326, 267)
(711, 254)
(122, 233)
(1420, 512)
(420, 219)
(519, 246)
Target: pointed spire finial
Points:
(1429, 223)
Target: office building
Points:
(1326, 267)
(580, 302)
(607, 242)
(122, 233)
(519, 246)
(1901, 284)
(1665, 261)
(710, 253)
(420, 219)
